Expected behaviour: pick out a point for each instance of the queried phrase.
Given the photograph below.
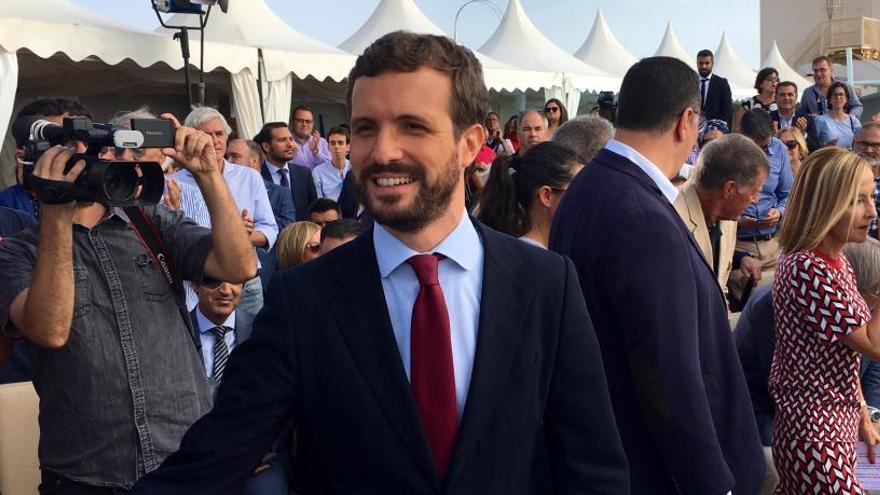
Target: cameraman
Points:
(114, 364)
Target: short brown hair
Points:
(341, 131)
(402, 51)
(821, 58)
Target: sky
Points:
(567, 23)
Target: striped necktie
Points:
(221, 351)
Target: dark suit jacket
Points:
(281, 202)
(719, 104)
(810, 134)
(678, 390)
(348, 201)
(323, 354)
(302, 188)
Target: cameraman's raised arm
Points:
(232, 257)
(43, 312)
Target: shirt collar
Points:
(707, 77)
(458, 246)
(663, 183)
(275, 168)
(205, 325)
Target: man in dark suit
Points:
(715, 98)
(679, 394)
(246, 153)
(276, 141)
(429, 355)
(215, 315)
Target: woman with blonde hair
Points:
(793, 139)
(297, 243)
(822, 326)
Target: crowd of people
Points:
(424, 300)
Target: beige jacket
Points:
(689, 209)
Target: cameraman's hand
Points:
(193, 149)
(50, 167)
(172, 199)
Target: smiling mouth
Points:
(392, 181)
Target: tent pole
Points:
(183, 37)
(260, 70)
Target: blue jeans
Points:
(251, 298)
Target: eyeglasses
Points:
(551, 109)
(865, 145)
(313, 247)
(560, 190)
(791, 144)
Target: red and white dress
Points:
(814, 376)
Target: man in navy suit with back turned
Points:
(679, 395)
(467, 366)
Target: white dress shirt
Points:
(461, 280)
(666, 186)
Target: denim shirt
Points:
(118, 397)
(775, 192)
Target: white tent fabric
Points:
(277, 99)
(601, 49)
(518, 42)
(246, 104)
(393, 15)
(252, 23)
(671, 47)
(728, 65)
(50, 26)
(8, 73)
(775, 59)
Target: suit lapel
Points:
(196, 333)
(698, 220)
(504, 301)
(366, 328)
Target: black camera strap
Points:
(147, 232)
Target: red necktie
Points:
(432, 377)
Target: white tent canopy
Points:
(50, 26)
(671, 47)
(393, 15)
(728, 65)
(602, 50)
(252, 23)
(775, 59)
(518, 42)
(285, 51)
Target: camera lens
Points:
(120, 182)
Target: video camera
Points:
(606, 106)
(102, 181)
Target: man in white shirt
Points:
(329, 175)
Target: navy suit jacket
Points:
(678, 390)
(323, 356)
(281, 202)
(302, 188)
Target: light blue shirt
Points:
(842, 130)
(774, 194)
(461, 279)
(328, 180)
(208, 339)
(666, 186)
(246, 187)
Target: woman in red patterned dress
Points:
(822, 327)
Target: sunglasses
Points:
(791, 144)
(313, 247)
(551, 109)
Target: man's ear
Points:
(470, 143)
(686, 122)
(545, 194)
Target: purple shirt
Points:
(304, 154)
